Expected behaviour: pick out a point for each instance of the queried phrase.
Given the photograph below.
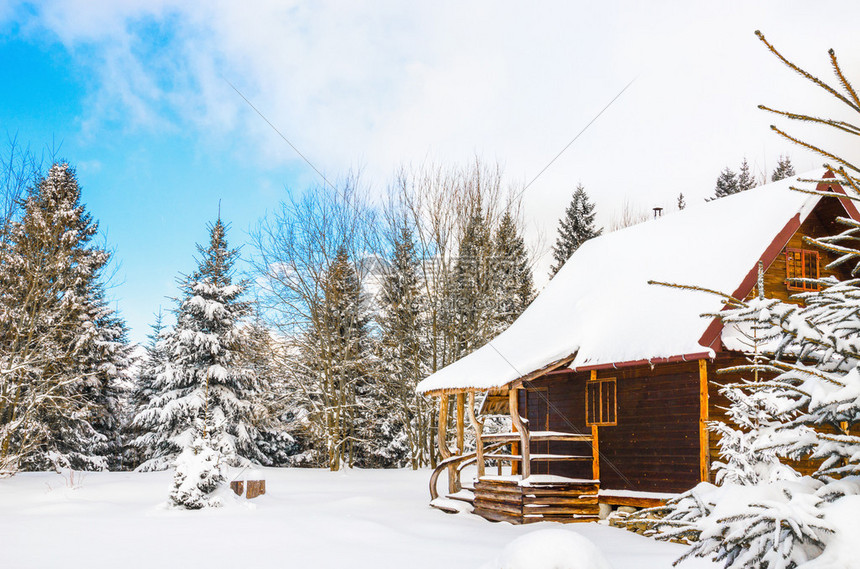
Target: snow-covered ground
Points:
(308, 519)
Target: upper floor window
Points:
(801, 264)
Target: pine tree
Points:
(203, 379)
(470, 287)
(682, 203)
(746, 181)
(783, 170)
(108, 360)
(727, 184)
(143, 391)
(574, 229)
(63, 351)
(333, 368)
(513, 286)
(405, 433)
(259, 356)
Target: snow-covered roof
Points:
(599, 309)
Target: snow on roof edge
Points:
(487, 368)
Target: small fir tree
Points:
(745, 181)
(574, 229)
(727, 184)
(198, 473)
(682, 203)
(783, 170)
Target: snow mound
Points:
(550, 549)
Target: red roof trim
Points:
(711, 336)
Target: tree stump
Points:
(255, 488)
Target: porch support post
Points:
(595, 443)
(479, 430)
(523, 430)
(460, 423)
(515, 446)
(704, 450)
(444, 451)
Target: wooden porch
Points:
(521, 496)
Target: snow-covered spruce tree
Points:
(109, 359)
(764, 513)
(142, 392)
(574, 229)
(335, 357)
(783, 170)
(469, 292)
(727, 184)
(747, 459)
(203, 380)
(681, 203)
(811, 403)
(63, 350)
(406, 431)
(513, 287)
(746, 181)
(259, 355)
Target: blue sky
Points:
(134, 95)
(153, 191)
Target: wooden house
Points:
(609, 380)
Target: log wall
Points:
(655, 444)
(653, 447)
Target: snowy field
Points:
(308, 518)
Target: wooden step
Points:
(464, 495)
(531, 519)
(563, 499)
(495, 516)
(584, 509)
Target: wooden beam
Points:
(460, 422)
(595, 443)
(704, 450)
(479, 429)
(513, 384)
(523, 430)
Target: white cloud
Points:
(383, 83)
